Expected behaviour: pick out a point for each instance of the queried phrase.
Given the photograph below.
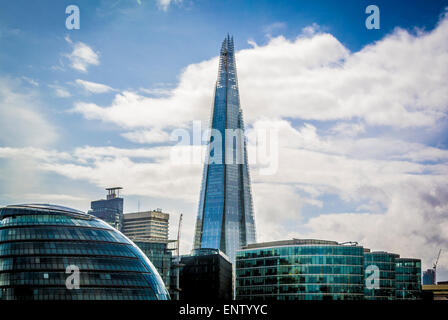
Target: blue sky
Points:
(361, 113)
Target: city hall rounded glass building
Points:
(43, 246)
(300, 269)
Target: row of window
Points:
(376, 294)
(302, 296)
(309, 279)
(301, 250)
(378, 258)
(6, 212)
(302, 260)
(61, 263)
(64, 248)
(51, 293)
(407, 285)
(299, 270)
(65, 233)
(407, 277)
(407, 294)
(59, 278)
(49, 219)
(401, 263)
(310, 288)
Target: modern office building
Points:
(300, 269)
(429, 277)
(225, 215)
(109, 209)
(206, 275)
(160, 255)
(408, 275)
(385, 262)
(40, 243)
(437, 291)
(146, 225)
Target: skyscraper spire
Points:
(225, 215)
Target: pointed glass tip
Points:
(227, 43)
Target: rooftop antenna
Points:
(138, 205)
(113, 193)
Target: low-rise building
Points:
(437, 291)
(300, 269)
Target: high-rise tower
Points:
(225, 215)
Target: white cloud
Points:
(22, 122)
(348, 129)
(60, 91)
(31, 81)
(156, 91)
(82, 56)
(414, 224)
(398, 81)
(274, 27)
(147, 136)
(165, 4)
(52, 198)
(93, 87)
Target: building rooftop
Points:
(151, 240)
(409, 259)
(382, 252)
(45, 206)
(292, 242)
(142, 214)
(209, 251)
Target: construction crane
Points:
(435, 266)
(178, 235)
(177, 264)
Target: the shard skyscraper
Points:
(225, 215)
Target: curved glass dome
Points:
(38, 242)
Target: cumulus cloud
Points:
(398, 81)
(414, 224)
(21, 120)
(93, 87)
(399, 185)
(82, 56)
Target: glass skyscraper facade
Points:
(429, 277)
(225, 215)
(39, 242)
(300, 269)
(408, 273)
(385, 262)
